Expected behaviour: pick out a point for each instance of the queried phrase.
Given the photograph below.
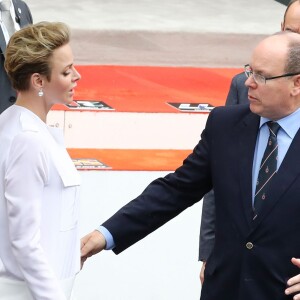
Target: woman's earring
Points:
(41, 93)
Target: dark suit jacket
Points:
(223, 159)
(238, 94)
(7, 93)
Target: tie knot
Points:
(5, 5)
(273, 127)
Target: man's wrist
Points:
(109, 240)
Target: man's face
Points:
(272, 99)
(292, 18)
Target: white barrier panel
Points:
(120, 130)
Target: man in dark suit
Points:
(238, 94)
(256, 238)
(21, 17)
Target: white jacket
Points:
(39, 240)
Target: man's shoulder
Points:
(236, 109)
(240, 78)
(232, 112)
(227, 117)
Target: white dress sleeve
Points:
(25, 177)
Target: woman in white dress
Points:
(39, 241)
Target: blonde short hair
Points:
(30, 50)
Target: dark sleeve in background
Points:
(207, 227)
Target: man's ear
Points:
(295, 91)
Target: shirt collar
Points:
(290, 124)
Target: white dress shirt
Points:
(39, 239)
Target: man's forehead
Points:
(293, 11)
(273, 44)
(292, 23)
(278, 43)
(271, 52)
(292, 18)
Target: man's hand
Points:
(294, 282)
(202, 272)
(91, 244)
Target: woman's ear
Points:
(37, 81)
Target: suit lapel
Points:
(23, 17)
(18, 12)
(248, 135)
(287, 173)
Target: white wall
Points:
(162, 266)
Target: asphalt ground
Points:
(163, 32)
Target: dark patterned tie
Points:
(6, 17)
(267, 169)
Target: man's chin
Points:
(255, 108)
